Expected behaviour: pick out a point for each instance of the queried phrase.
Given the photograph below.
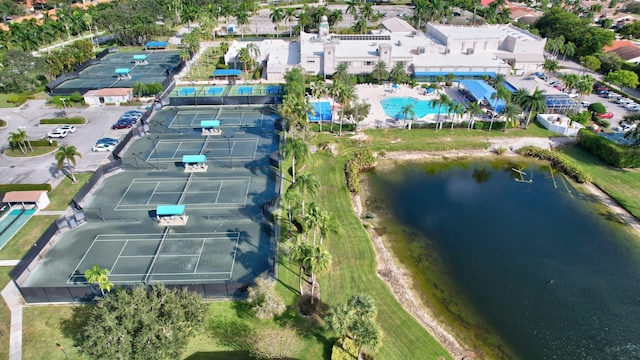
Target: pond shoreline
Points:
(399, 280)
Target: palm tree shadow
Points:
(72, 328)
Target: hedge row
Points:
(35, 143)
(64, 121)
(349, 352)
(24, 187)
(19, 99)
(560, 163)
(609, 151)
(361, 161)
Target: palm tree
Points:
(456, 109)
(328, 225)
(510, 112)
(317, 262)
(366, 333)
(360, 26)
(443, 100)
(352, 9)
(292, 198)
(568, 50)
(407, 111)
(363, 306)
(366, 11)
(585, 85)
(340, 320)
(297, 149)
(313, 219)
(398, 74)
(535, 102)
(100, 277)
(550, 66)
(298, 252)
(67, 154)
(570, 81)
(289, 16)
(277, 15)
(245, 58)
(519, 95)
(19, 138)
(473, 110)
(306, 184)
(380, 72)
(242, 18)
(345, 94)
(318, 91)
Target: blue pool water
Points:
(393, 107)
(13, 222)
(322, 111)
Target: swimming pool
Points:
(393, 107)
(12, 222)
(322, 111)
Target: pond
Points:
(514, 257)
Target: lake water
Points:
(542, 271)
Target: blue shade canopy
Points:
(456, 73)
(187, 91)
(209, 123)
(481, 90)
(215, 90)
(227, 72)
(122, 71)
(156, 44)
(139, 57)
(165, 210)
(193, 159)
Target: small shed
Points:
(26, 199)
(194, 163)
(210, 127)
(171, 215)
(108, 96)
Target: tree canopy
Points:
(144, 324)
(623, 78)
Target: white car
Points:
(59, 134)
(630, 105)
(102, 147)
(585, 104)
(68, 128)
(624, 100)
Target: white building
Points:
(108, 96)
(463, 51)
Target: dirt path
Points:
(399, 281)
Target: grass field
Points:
(5, 315)
(61, 196)
(24, 239)
(37, 151)
(203, 69)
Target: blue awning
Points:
(227, 72)
(139, 57)
(194, 159)
(164, 210)
(456, 73)
(209, 123)
(122, 71)
(483, 91)
(156, 44)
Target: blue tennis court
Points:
(322, 111)
(245, 90)
(187, 91)
(274, 89)
(215, 91)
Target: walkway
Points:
(12, 297)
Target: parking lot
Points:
(43, 169)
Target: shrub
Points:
(560, 163)
(361, 161)
(275, 343)
(597, 108)
(2, 123)
(222, 66)
(76, 97)
(64, 121)
(348, 352)
(501, 150)
(266, 302)
(608, 151)
(24, 187)
(19, 99)
(582, 117)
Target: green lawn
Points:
(63, 193)
(205, 66)
(37, 151)
(623, 185)
(44, 326)
(24, 239)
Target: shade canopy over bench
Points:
(209, 123)
(139, 57)
(194, 159)
(169, 210)
(227, 72)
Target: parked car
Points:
(102, 147)
(69, 128)
(119, 125)
(602, 93)
(133, 113)
(585, 104)
(623, 100)
(57, 134)
(598, 87)
(607, 115)
(613, 96)
(107, 140)
(630, 105)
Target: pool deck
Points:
(374, 94)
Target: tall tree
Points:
(536, 102)
(138, 323)
(407, 112)
(380, 72)
(276, 16)
(289, 16)
(550, 66)
(345, 93)
(366, 333)
(318, 91)
(473, 110)
(299, 250)
(306, 184)
(340, 320)
(67, 154)
(624, 78)
(510, 112)
(298, 150)
(18, 138)
(399, 74)
(443, 100)
(317, 262)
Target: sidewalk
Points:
(12, 297)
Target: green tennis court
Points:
(216, 149)
(174, 257)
